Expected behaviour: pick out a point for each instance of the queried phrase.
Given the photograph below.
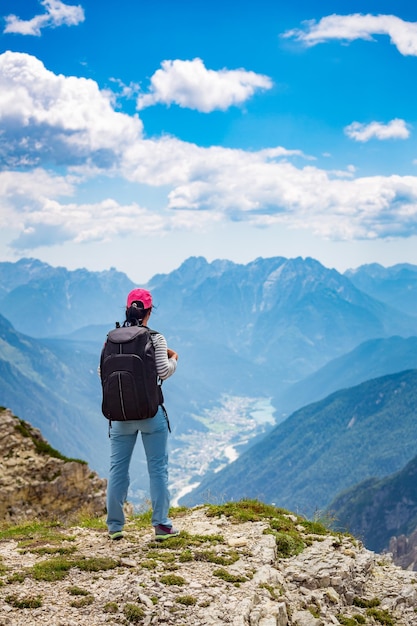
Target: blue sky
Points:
(137, 133)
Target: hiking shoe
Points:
(164, 532)
(119, 534)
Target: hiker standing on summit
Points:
(128, 348)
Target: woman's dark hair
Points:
(136, 313)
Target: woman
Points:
(154, 433)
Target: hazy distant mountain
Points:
(373, 358)
(58, 392)
(43, 301)
(396, 285)
(328, 446)
(255, 328)
(22, 272)
(376, 510)
(284, 317)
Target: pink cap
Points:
(140, 295)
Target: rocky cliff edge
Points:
(274, 570)
(37, 481)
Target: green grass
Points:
(381, 616)
(142, 520)
(172, 579)
(219, 559)
(77, 591)
(33, 529)
(314, 610)
(133, 613)
(288, 544)
(46, 538)
(347, 621)
(315, 527)
(27, 602)
(185, 540)
(160, 555)
(96, 564)
(149, 564)
(229, 578)
(52, 570)
(42, 536)
(274, 593)
(82, 602)
(93, 523)
(244, 511)
(186, 600)
(58, 567)
(186, 556)
(16, 577)
(111, 607)
(42, 446)
(61, 550)
(366, 604)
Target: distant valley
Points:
(322, 449)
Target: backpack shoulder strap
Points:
(153, 333)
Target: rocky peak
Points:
(218, 571)
(37, 481)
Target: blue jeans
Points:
(123, 435)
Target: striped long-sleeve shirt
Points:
(165, 367)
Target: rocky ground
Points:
(217, 572)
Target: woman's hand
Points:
(172, 354)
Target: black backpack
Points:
(131, 388)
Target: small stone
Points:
(237, 542)
(332, 595)
(127, 562)
(144, 599)
(305, 618)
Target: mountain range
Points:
(371, 359)
(378, 509)
(274, 320)
(290, 331)
(396, 285)
(285, 317)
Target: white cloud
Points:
(234, 187)
(31, 205)
(24, 191)
(357, 26)
(395, 129)
(48, 118)
(84, 223)
(190, 85)
(57, 14)
(243, 186)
